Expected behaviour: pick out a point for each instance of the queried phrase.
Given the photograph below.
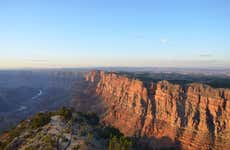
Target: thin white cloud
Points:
(205, 55)
(164, 40)
(39, 60)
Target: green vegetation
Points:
(65, 112)
(3, 145)
(119, 143)
(34, 124)
(49, 141)
(91, 128)
(77, 147)
(40, 120)
(215, 81)
(107, 132)
(15, 132)
(86, 127)
(89, 118)
(31, 148)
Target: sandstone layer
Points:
(195, 116)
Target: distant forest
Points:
(182, 79)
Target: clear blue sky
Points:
(79, 33)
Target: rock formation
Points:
(195, 116)
(64, 129)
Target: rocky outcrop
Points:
(64, 129)
(195, 116)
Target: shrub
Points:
(65, 112)
(83, 130)
(40, 120)
(3, 145)
(89, 138)
(107, 132)
(14, 133)
(49, 141)
(120, 143)
(77, 147)
(89, 118)
(31, 148)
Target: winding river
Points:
(37, 95)
(22, 108)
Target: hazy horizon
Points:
(70, 34)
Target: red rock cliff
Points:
(195, 116)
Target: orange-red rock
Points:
(195, 116)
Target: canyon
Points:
(191, 116)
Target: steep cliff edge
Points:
(195, 116)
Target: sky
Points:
(93, 33)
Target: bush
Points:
(14, 133)
(65, 112)
(40, 120)
(107, 132)
(121, 143)
(89, 138)
(31, 148)
(77, 147)
(49, 140)
(83, 130)
(3, 145)
(89, 118)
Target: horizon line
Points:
(115, 67)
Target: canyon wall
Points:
(195, 116)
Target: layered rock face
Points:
(195, 116)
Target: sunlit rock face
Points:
(126, 101)
(195, 116)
